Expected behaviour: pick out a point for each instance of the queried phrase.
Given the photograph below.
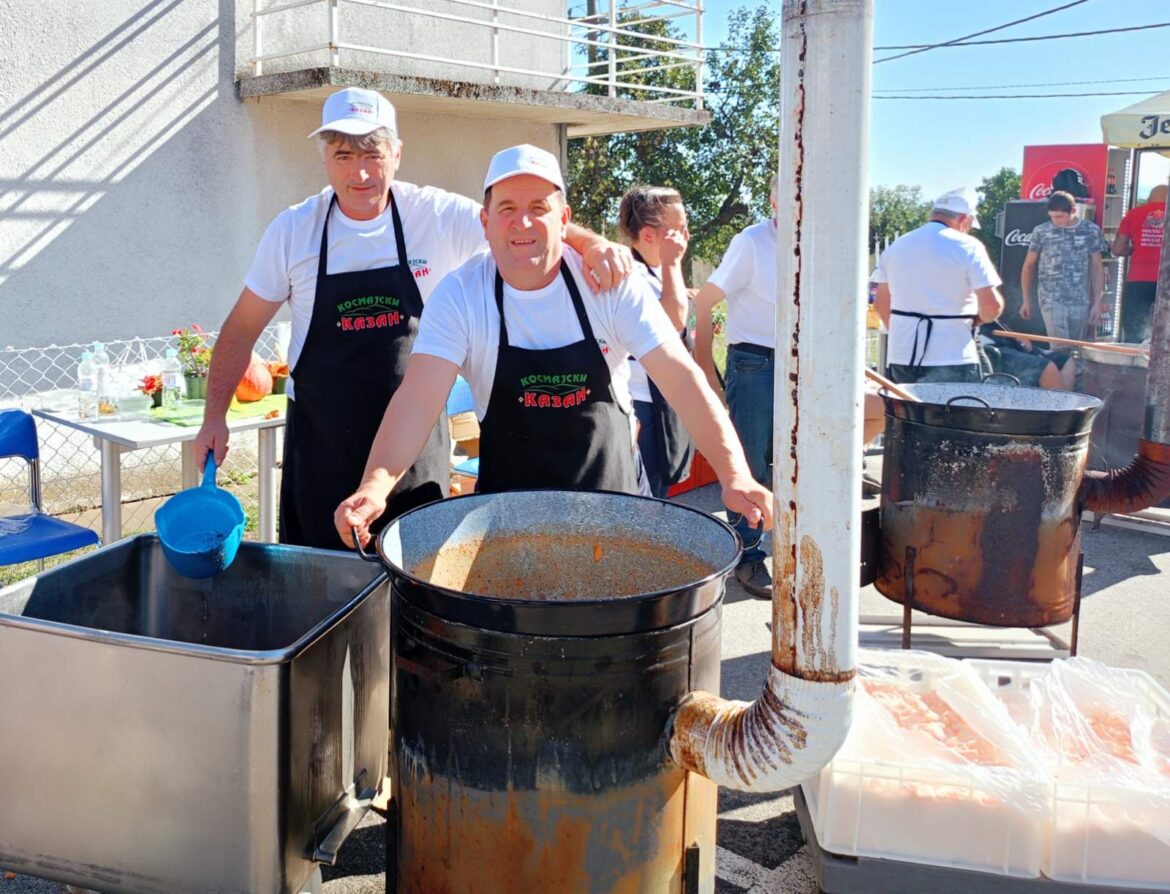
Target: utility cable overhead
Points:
(922, 49)
(1165, 77)
(976, 43)
(1022, 95)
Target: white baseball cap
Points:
(524, 159)
(963, 200)
(357, 112)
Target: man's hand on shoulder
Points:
(606, 264)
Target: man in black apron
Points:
(351, 351)
(550, 415)
(934, 286)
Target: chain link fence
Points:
(35, 378)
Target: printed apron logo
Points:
(368, 312)
(419, 267)
(554, 392)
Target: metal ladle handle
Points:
(357, 544)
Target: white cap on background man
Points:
(963, 200)
(524, 159)
(357, 112)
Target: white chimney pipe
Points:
(799, 721)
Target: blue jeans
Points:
(749, 390)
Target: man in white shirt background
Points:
(746, 277)
(355, 263)
(935, 285)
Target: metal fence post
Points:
(334, 35)
(699, 54)
(613, 47)
(495, 40)
(257, 45)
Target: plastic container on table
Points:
(899, 793)
(1109, 817)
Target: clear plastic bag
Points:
(1104, 734)
(933, 771)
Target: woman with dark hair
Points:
(653, 220)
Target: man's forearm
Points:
(704, 355)
(1098, 280)
(1026, 285)
(580, 239)
(882, 302)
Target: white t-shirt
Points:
(747, 276)
(934, 270)
(461, 324)
(442, 231)
(639, 382)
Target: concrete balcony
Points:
(526, 60)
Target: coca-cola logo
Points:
(1040, 191)
(1017, 237)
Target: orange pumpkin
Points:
(256, 383)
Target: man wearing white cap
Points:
(935, 285)
(547, 371)
(355, 264)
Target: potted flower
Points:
(195, 356)
(152, 387)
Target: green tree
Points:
(995, 192)
(722, 170)
(893, 211)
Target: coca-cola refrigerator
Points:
(1020, 217)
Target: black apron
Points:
(552, 419)
(675, 449)
(927, 320)
(355, 353)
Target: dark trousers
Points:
(1137, 310)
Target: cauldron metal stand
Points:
(1068, 648)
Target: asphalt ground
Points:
(1124, 621)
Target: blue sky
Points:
(942, 144)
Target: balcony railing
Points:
(650, 50)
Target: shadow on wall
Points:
(110, 172)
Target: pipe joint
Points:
(782, 738)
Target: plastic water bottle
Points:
(101, 363)
(87, 387)
(172, 376)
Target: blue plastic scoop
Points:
(200, 528)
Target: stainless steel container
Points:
(161, 734)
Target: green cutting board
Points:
(190, 412)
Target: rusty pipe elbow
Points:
(1145, 482)
(782, 738)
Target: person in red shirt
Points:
(1140, 239)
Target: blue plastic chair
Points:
(35, 535)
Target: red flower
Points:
(151, 385)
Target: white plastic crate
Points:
(1101, 830)
(885, 796)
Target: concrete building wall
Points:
(134, 185)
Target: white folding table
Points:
(117, 436)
